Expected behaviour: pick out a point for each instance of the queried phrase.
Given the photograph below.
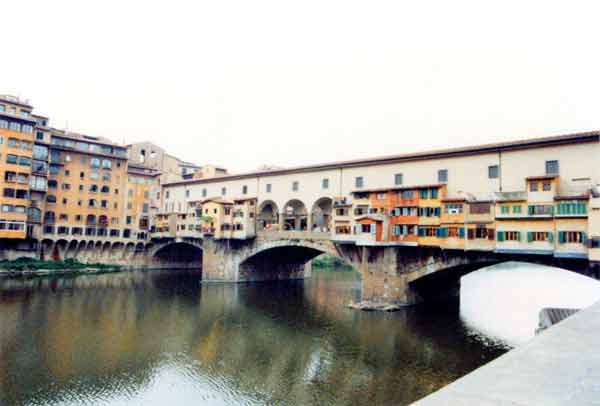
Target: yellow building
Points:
(87, 183)
(16, 145)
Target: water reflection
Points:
(151, 338)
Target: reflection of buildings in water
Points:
(284, 340)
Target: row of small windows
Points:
(104, 204)
(16, 143)
(15, 126)
(53, 184)
(89, 147)
(359, 181)
(13, 110)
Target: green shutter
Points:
(436, 211)
(500, 235)
(434, 193)
(561, 237)
(423, 194)
(461, 232)
(530, 210)
(583, 238)
(550, 236)
(518, 236)
(529, 236)
(421, 232)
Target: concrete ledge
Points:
(560, 366)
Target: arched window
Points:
(90, 220)
(49, 217)
(105, 189)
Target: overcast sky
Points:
(245, 83)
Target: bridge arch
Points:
(178, 254)
(321, 214)
(268, 215)
(282, 258)
(295, 215)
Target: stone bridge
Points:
(394, 274)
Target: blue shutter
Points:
(529, 236)
(421, 232)
(461, 232)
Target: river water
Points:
(163, 338)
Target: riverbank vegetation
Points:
(31, 264)
(329, 262)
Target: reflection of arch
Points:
(321, 214)
(295, 215)
(268, 215)
(139, 247)
(72, 249)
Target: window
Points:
(104, 204)
(63, 217)
(509, 236)
(325, 183)
(546, 186)
(93, 188)
(516, 209)
(8, 192)
(66, 186)
(106, 164)
(540, 236)
(359, 182)
(21, 194)
(223, 191)
(533, 187)
(540, 209)
(453, 208)
(167, 193)
(398, 179)
(244, 189)
(552, 167)
(13, 143)
(571, 237)
(24, 161)
(145, 208)
(204, 192)
(92, 203)
(504, 209)
(39, 135)
(443, 175)
(11, 159)
(40, 152)
(571, 208)
(295, 186)
(381, 196)
(187, 193)
(493, 171)
(95, 162)
(51, 199)
(105, 189)
(10, 176)
(407, 194)
(269, 188)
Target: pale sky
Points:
(245, 83)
